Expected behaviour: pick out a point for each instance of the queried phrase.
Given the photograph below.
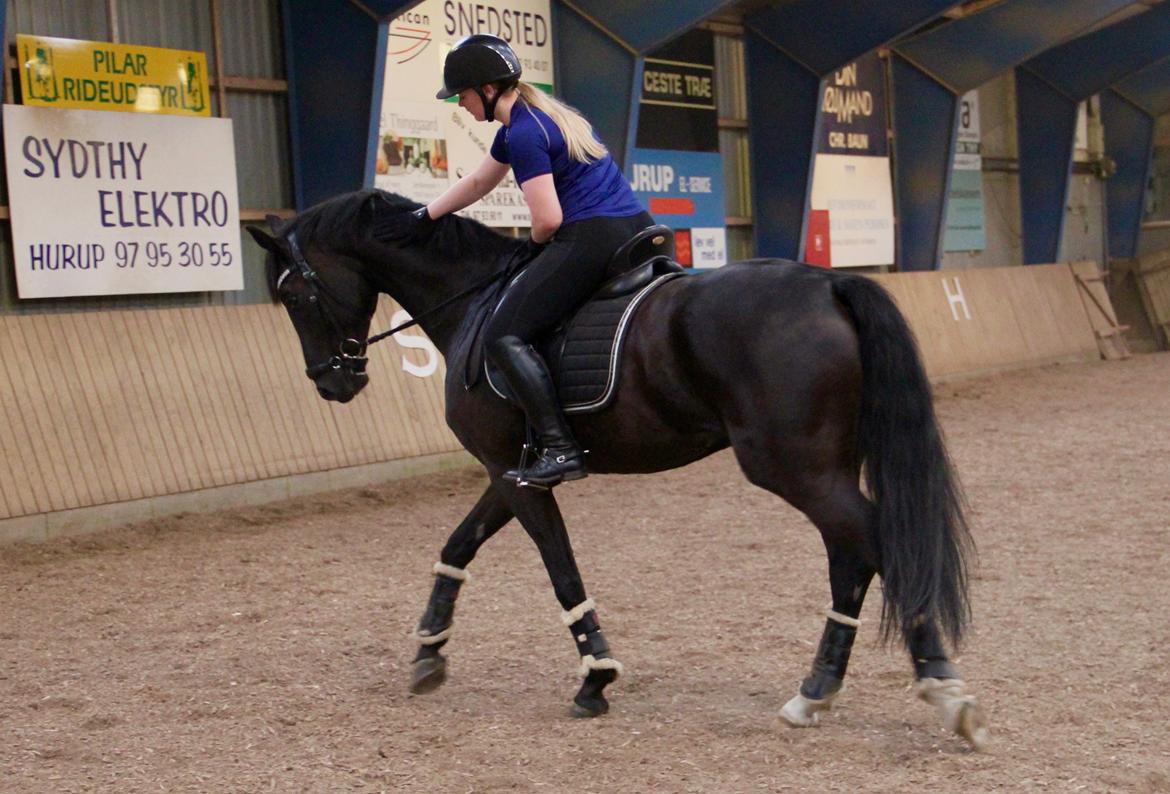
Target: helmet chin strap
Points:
(489, 105)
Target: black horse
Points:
(810, 375)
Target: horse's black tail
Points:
(922, 535)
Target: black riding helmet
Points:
(474, 62)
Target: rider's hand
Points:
(407, 227)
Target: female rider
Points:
(582, 210)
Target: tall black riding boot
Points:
(561, 458)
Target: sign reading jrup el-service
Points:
(119, 203)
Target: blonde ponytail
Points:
(578, 132)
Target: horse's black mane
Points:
(340, 221)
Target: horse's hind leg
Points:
(485, 519)
(844, 520)
(937, 682)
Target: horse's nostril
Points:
(328, 395)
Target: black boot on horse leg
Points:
(598, 668)
(430, 666)
(827, 677)
(937, 682)
(560, 457)
(485, 519)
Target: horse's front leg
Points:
(485, 519)
(541, 518)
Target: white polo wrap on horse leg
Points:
(959, 710)
(436, 624)
(844, 620)
(591, 645)
(578, 612)
(450, 571)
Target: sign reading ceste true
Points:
(119, 203)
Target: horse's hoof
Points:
(972, 725)
(429, 674)
(591, 707)
(800, 712)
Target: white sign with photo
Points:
(121, 203)
(424, 144)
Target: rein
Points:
(351, 353)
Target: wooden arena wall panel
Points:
(124, 405)
(988, 319)
(1153, 281)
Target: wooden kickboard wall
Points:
(115, 406)
(987, 319)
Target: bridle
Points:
(351, 353)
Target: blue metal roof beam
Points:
(1048, 89)
(1129, 110)
(645, 24)
(789, 50)
(929, 73)
(332, 91)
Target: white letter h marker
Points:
(956, 299)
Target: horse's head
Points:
(329, 302)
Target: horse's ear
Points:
(266, 241)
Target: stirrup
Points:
(574, 464)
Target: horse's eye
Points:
(291, 301)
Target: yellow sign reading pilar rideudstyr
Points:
(98, 75)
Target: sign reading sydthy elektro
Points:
(851, 209)
(98, 75)
(119, 203)
(425, 145)
(675, 166)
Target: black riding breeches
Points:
(562, 277)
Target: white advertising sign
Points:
(121, 203)
(857, 194)
(968, 156)
(424, 145)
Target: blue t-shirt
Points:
(533, 144)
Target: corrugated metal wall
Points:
(731, 102)
(252, 48)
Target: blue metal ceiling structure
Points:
(789, 50)
(331, 91)
(1048, 89)
(644, 24)
(1129, 109)
(930, 71)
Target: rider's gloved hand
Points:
(406, 227)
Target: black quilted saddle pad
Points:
(583, 358)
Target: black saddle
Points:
(583, 353)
